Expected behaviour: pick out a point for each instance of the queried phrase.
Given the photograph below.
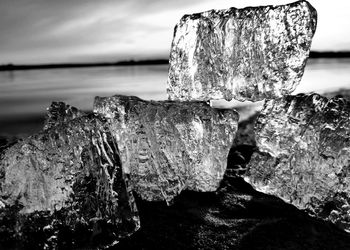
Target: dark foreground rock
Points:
(235, 217)
(65, 188)
(304, 158)
(169, 146)
(245, 54)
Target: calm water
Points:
(30, 92)
(25, 95)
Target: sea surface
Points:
(25, 95)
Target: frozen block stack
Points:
(80, 172)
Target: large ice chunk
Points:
(245, 54)
(304, 157)
(67, 176)
(169, 146)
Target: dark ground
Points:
(236, 217)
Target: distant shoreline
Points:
(329, 54)
(11, 67)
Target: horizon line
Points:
(133, 62)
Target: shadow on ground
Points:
(235, 217)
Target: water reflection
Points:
(24, 92)
(324, 75)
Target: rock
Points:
(242, 148)
(245, 133)
(234, 217)
(169, 146)
(67, 178)
(245, 54)
(304, 158)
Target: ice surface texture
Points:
(169, 146)
(245, 54)
(304, 158)
(72, 168)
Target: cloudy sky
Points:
(53, 31)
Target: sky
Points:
(57, 31)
